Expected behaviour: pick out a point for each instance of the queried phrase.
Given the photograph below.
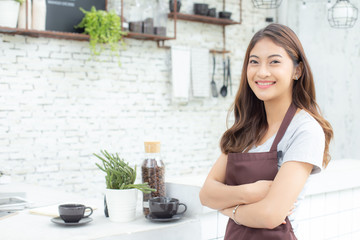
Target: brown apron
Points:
(243, 168)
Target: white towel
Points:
(180, 74)
(39, 14)
(200, 78)
(22, 15)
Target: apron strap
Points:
(284, 125)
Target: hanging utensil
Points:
(213, 84)
(223, 90)
(228, 81)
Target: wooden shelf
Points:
(202, 19)
(74, 36)
(48, 34)
(142, 36)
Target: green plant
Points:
(103, 28)
(119, 175)
(20, 1)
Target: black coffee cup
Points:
(72, 213)
(165, 207)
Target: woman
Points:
(278, 139)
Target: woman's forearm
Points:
(257, 215)
(218, 196)
(271, 211)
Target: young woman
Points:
(277, 140)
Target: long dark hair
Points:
(250, 117)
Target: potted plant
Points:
(103, 28)
(9, 12)
(121, 190)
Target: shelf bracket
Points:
(162, 45)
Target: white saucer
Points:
(82, 221)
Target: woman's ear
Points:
(298, 70)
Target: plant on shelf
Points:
(103, 28)
(121, 191)
(9, 12)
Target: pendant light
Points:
(266, 4)
(342, 15)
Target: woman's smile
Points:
(265, 84)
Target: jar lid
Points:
(152, 147)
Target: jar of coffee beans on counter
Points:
(153, 172)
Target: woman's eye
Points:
(275, 61)
(253, 61)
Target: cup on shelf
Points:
(224, 15)
(165, 207)
(201, 9)
(72, 213)
(211, 12)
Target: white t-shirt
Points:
(303, 141)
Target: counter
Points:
(25, 225)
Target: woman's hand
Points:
(257, 190)
(229, 212)
(289, 213)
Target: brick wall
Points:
(58, 107)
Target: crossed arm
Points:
(263, 204)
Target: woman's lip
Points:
(265, 84)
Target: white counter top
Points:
(25, 225)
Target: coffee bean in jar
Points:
(153, 172)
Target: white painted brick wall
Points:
(58, 106)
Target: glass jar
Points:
(153, 172)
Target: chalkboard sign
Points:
(63, 15)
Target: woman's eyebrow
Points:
(273, 55)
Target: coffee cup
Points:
(72, 213)
(165, 207)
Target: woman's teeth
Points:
(265, 83)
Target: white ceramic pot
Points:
(9, 13)
(121, 204)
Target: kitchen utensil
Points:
(82, 221)
(71, 213)
(228, 80)
(153, 173)
(171, 219)
(201, 8)
(213, 84)
(212, 12)
(223, 90)
(225, 15)
(165, 207)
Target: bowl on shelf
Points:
(224, 15)
(201, 9)
(211, 12)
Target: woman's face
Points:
(270, 72)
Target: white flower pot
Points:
(121, 204)
(9, 13)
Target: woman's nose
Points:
(263, 72)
